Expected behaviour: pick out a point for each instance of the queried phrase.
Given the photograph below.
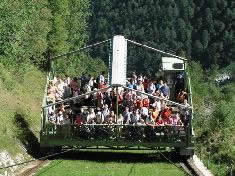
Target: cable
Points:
(181, 58)
(171, 162)
(80, 49)
(29, 161)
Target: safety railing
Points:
(115, 132)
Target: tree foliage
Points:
(34, 31)
(201, 29)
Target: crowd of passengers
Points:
(134, 107)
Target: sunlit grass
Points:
(113, 163)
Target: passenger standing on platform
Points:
(83, 80)
(105, 112)
(146, 101)
(185, 113)
(182, 96)
(159, 121)
(131, 84)
(74, 87)
(107, 99)
(134, 77)
(149, 119)
(61, 88)
(139, 87)
(91, 82)
(156, 104)
(155, 114)
(151, 88)
(146, 84)
(60, 118)
(144, 112)
(100, 99)
(120, 119)
(99, 118)
(126, 116)
(135, 117)
(91, 116)
(165, 90)
(166, 112)
(112, 118)
(139, 103)
(101, 78)
(176, 122)
(159, 85)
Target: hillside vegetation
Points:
(214, 109)
(20, 103)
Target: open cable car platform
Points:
(117, 132)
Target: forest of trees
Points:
(197, 29)
(33, 31)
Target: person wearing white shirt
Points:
(91, 116)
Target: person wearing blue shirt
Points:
(165, 90)
(131, 85)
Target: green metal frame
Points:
(69, 135)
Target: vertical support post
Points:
(116, 104)
(110, 63)
(43, 118)
(189, 128)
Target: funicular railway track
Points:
(187, 165)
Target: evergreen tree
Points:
(176, 26)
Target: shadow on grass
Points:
(114, 156)
(26, 136)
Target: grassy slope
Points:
(20, 101)
(115, 163)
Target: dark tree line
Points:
(197, 29)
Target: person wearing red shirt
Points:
(146, 102)
(166, 113)
(139, 103)
(78, 120)
(146, 84)
(159, 121)
(100, 97)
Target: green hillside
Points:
(20, 101)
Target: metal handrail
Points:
(149, 95)
(76, 97)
